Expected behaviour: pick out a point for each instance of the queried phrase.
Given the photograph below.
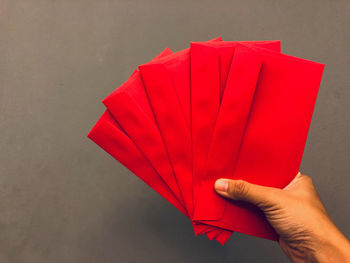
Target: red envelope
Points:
(229, 129)
(234, 132)
(177, 67)
(172, 125)
(226, 49)
(210, 63)
(130, 107)
(273, 142)
(222, 239)
(205, 98)
(108, 135)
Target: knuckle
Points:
(308, 179)
(305, 178)
(238, 189)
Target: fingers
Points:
(244, 191)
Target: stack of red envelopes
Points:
(219, 109)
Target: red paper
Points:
(176, 87)
(172, 125)
(130, 106)
(210, 64)
(108, 135)
(273, 143)
(228, 130)
(219, 109)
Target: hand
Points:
(307, 234)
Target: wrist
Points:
(334, 251)
(319, 245)
(332, 248)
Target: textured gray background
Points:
(62, 199)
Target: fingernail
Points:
(221, 185)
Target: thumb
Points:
(244, 191)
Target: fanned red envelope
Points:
(219, 109)
(270, 150)
(129, 106)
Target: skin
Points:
(307, 234)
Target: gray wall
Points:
(62, 199)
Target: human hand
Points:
(307, 234)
